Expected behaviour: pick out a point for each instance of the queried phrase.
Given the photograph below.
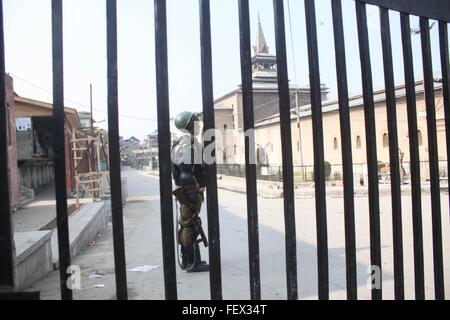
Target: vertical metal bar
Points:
(445, 68)
(414, 157)
(371, 143)
(347, 159)
(286, 150)
(319, 157)
(391, 106)
(433, 159)
(114, 152)
(209, 124)
(62, 217)
(164, 144)
(7, 249)
(249, 120)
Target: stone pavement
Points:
(142, 220)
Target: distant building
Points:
(268, 136)
(229, 110)
(151, 141)
(30, 137)
(35, 142)
(127, 148)
(131, 141)
(138, 155)
(229, 115)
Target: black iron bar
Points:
(391, 107)
(319, 157)
(433, 160)
(250, 165)
(114, 152)
(164, 144)
(286, 150)
(347, 159)
(445, 68)
(371, 143)
(62, 217)
(416, 192)
(209, 124)
(7, 248)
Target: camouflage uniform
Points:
(188, 172)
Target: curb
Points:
(302, 194)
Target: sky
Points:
(28, 42)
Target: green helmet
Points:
(183, 119)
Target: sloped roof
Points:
(71, 113)
(354, 102)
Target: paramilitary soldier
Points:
(189, 174)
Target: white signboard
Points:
(23, 124)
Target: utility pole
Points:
(92, 116)
(92, 127)
(297, 111)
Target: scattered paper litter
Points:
(99, 286)
(97, 275)
(144, 268)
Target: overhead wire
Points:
(78, 103)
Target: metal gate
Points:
(431, 9)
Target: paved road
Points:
(143, 247)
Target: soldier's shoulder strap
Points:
(175, 143)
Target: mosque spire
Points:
(261, 44)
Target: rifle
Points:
(180, 195)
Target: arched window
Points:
(419, 137)
(335, 143)
(235, 149)
(358, 142)
(385, 140)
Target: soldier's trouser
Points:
(187, 234)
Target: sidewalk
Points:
(143, 243)
(36, 235)
(40, 214)
(274, 189)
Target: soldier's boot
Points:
(198, 257)
(198, 265)
(190, 257)
(184, 258)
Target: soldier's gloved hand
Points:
(191, 193)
